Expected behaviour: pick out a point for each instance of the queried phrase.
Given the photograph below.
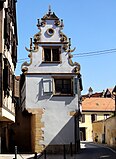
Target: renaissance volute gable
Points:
(50, 48)
(50, 29)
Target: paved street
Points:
(95, 151)
(88, 150)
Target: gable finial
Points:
(49, 9)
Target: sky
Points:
(91, 25)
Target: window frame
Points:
(51, 54)
(106, 116)
(83, 118)
(93, 117)
(61, 93)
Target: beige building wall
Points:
(88, 127)
(98, 130)
(110, 126)
(88, 123)
(106, 131)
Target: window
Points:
(93, 117)
(83, 118)
(47, 85)
(6, 77)
(52, 54)
(106, 116)
(63, 86)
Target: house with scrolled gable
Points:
(50, 89)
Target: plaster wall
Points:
(38, 66)
(7, 102)
(6, 115)
(88, 127)
(56, 117)
(44, 35)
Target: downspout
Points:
(78, 89)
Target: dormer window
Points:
(51, 54)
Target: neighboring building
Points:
(8, 59)
(96, 107)
(104, 131)
(50, 90)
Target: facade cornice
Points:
(53, 74)
(52, 42)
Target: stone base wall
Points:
(60, 149)
(37, 134)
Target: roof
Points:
(93, 95)
(50, 15)
(98, 104)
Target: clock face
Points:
(50, 31)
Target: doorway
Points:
(82, 134)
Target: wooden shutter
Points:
(16, 88)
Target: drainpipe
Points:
(78, 88)
(77, 133)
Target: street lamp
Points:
(114, 93)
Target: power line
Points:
(22, 60)
(95, 53)
(83, 55)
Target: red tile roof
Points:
(98, 104)
(100, 94)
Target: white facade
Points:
(48, 73)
